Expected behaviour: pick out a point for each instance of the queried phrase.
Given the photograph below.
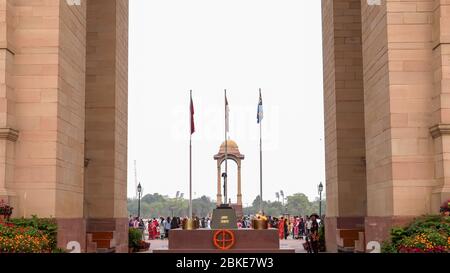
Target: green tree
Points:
(156, 205)
(152, 198)
(298, 204)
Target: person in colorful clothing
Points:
(152, 229)
(286, 228)
(314, 234)
(302, 228)
(281, 228)
(296, 228)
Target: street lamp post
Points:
(320, 199)
(283, 200)
(139, 189)
(285, 206)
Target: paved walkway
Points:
(284, 244)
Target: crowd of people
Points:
(156, 228)
(298, 227)
(159, 228)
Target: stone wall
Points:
(409, 26)
(106, 109)
(71, 114)
(63, 112)
(376, 101)
(121, 134)
(440, 126)
(106, 116)
(8, 127)
(344, 115)
(330, 108)
(36, 86)
(405, 58)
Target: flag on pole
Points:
(192, 117)
(260, 115)
(227, 115)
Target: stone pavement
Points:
(284, 244)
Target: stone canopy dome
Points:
(232, 150)
(231, 144)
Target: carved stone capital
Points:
(440, 130)
(9, 134)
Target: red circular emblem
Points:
(224, 239)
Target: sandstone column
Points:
(106, 119)
(49, 74)
(398, 83)
(239, 190)
(441, 102)
(344, 117)
(8, 128)
(219, 184)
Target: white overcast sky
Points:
(240, 45)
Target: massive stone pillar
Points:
(405, 53)
(8, 128)
(106, 119)
(440, 128)
(43, 118)
(344, 118)
(49, 74)
(398, 80)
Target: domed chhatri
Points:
(230, 144)
(232, 150)
(235, 155)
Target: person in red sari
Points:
(296, 228)
(157, 228)
(152, 229)
(281, 228)
(151, 234)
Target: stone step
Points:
(102, 235)
(349, 233)
(346, 238)
(346, 249)
(108, 243)
(103, 243)
(91, 247)
(106, 250)
(103, 240)
(360, 244)
(346, 242)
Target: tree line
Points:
(157, 205)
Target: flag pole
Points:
(190, 157)
(260, 162)
(225, 188)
